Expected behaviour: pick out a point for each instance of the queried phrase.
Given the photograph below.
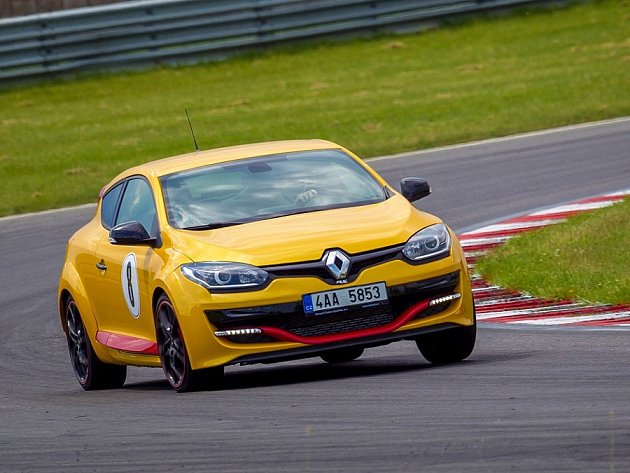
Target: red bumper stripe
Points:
(405, 317)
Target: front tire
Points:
(448, 346)
(174, 356)
(91, 372)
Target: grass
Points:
(62, 140)
(586, 258)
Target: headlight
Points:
(224, 275)
(428, 243)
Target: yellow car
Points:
(255, 254)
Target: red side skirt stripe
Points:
(127, 343)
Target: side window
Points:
(137, 205)
(108, 206)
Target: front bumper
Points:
(284, 332)
(289, 322)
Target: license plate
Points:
(338, 299)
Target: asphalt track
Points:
(526, 400)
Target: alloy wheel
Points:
(77, 342)
(171, 344)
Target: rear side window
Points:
(108, 206)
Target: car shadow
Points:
(290, 373)
(286, 374)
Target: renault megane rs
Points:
(256, 254)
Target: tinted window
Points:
(137, 205)
(267, 187)
(108, 206)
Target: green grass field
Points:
(62, 140)
(586, 259)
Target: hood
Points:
(305, 237)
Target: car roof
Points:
(182, 162)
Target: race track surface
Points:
(526, 400)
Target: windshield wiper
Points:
(319, 208)
(294, 212)
(212, 226)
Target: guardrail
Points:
(161, 31)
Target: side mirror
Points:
(131, 233)
(414, 188)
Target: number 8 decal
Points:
(129, 280)
(132, 299)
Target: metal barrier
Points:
(159, 31)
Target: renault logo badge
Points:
(337, 263)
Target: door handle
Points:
(101, 265)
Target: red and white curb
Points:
(495, 304)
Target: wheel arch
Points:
(64, 295)
(157, 293)
(70, 285)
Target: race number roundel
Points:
(129, 280)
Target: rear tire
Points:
(342, 355)
(174, 356)
(448, 346)
(91, 372)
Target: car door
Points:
(123, 301)
(90, 268)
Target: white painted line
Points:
(490, 292)
(556, 309)
(475, 254)
(502, 300)
(502, 139)
(542, 210)
(46, 212)
(488, 288)
(618, 194)
(484, 241)
(578, 318)
(502, 227)
(576, 207)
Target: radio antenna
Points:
(191, 130)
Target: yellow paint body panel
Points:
(278, 241)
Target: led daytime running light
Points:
(238, 331)
(441, 300)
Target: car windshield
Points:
(267, 187)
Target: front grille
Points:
(358, 262)
(297, 322)
(291, 317)
(357, 322)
